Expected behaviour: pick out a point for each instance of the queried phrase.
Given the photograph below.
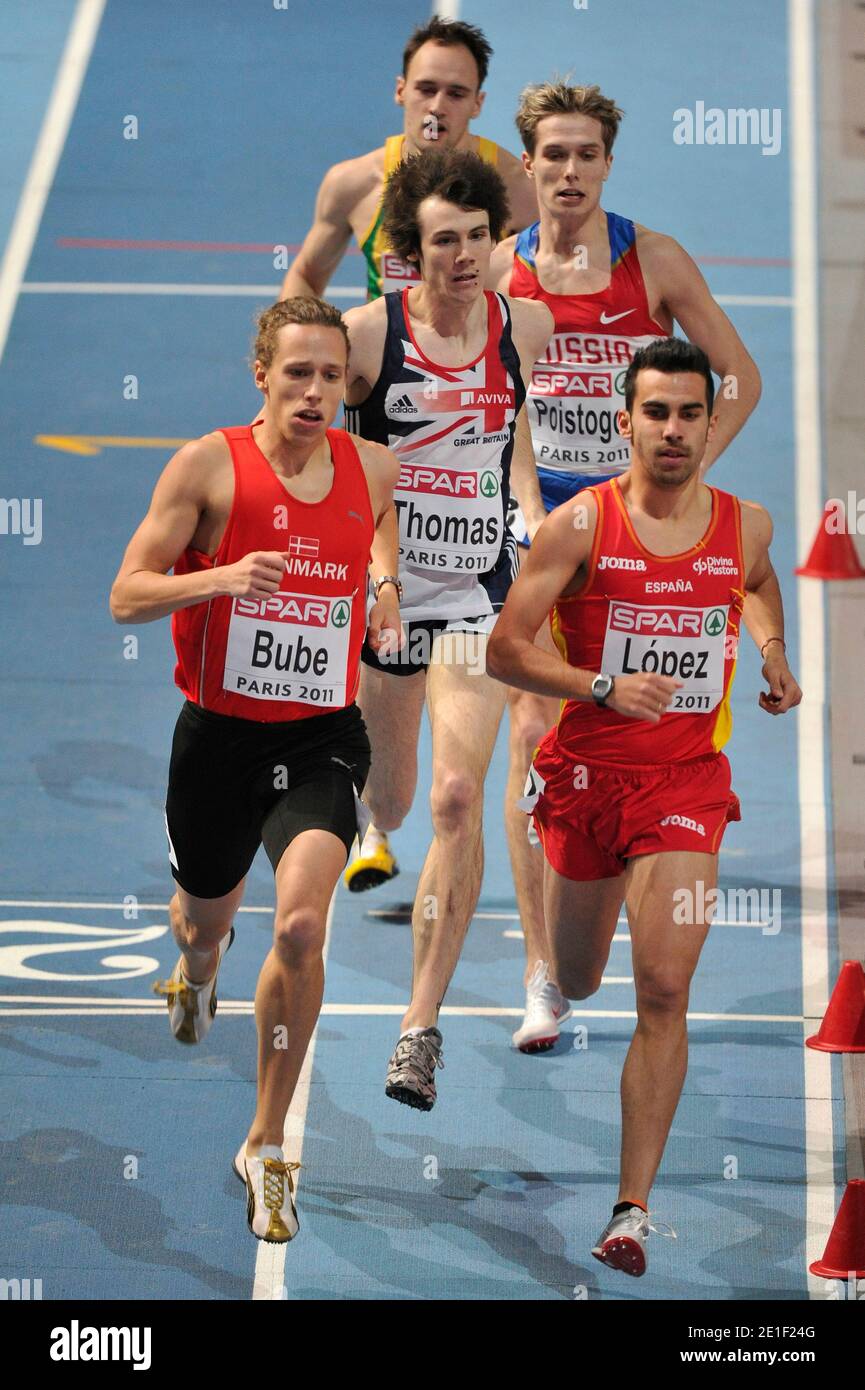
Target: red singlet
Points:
(295, 653)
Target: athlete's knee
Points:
(575, 981)
(298, 935)
(196, 935)
(662, 992)
(388, 805)
(456, 801)
(528, 727)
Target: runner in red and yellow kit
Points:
(440, 90)
(613, 286)
(648, 576)
(271, 529)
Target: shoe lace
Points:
(541, 993)
(175, 989)
(662, 1229)
(420, 1053)
(275, 1173)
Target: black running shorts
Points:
(235, 784)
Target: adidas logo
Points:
(402, 407)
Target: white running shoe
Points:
(270, 1211)
(546, 1008)
(622, 1244)
(191, 1008)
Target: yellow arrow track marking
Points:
(90, 444)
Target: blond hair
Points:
(558, 99)
(298, 310)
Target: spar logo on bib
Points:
(715, 621)
(489, 485)
(341, 613)
(287, 608)
(444, 482)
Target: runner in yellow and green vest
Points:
(444, 68)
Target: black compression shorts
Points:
(236, 783)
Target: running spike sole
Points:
(408, 1097)
(538, 1045)
(623, 1253)
(364, 879)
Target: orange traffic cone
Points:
(843, 1026)
(845, 1249)
(833, 554)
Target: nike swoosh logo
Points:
(612, 317)
(357, 516)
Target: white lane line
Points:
(240, 1008)
(355, 292)
(46, 156)
(107, 907)
(819, 1137)
(270, 1259)
(518, 936)
(268, 292)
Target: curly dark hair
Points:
(458, 177)
(451, 32)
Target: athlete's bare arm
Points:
(531, 327)
(367, 333)
(674, 283)
(191, 502)
(521, 191)
(381, 468)
(763, 614)
(342, 188)
(555, 567)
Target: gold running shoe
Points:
(270, 1211)
(191, 1008)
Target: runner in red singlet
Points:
(272, 530)
(613, 286)
(648, 576)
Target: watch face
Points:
(601, 687)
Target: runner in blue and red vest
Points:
(647, 576)
(613, 286)
(273, 530)
(438, 373)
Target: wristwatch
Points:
(602, 689)
(387, 579)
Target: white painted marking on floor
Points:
(266, 292)
(810, 717)
(106, 907)
(46, 156)
(238, 1008)
(269, 292)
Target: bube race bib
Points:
(687, 644)
(289, 647)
